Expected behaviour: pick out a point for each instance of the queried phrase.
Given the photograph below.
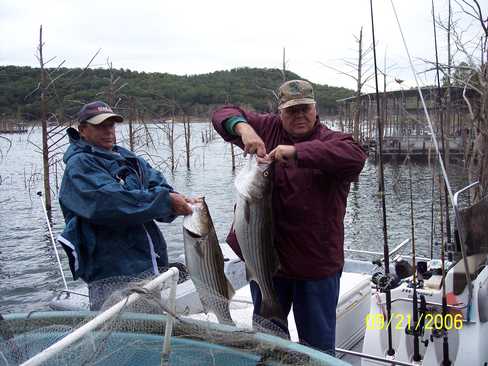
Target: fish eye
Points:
(266, 173)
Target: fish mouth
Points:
(193, 234)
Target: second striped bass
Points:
(253, 226)
(205, 262)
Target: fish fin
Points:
(230, 290)
(186, 311)
(198, 248)
(272, 310)
(224, 317)
(249, 275)
(247, 212)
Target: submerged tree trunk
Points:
(187, 128)
(132, 118)
(171, 142)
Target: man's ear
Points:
(81, 129)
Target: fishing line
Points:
(441, 162)
(424, 106)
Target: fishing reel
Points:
(416, 328)
(385, 281)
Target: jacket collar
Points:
(78, 145)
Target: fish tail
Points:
(224, 317)
(272, 310)
(230, 289)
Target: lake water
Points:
(29, 274)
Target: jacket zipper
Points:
(154, 255)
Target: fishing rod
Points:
(53, 241)
(441, 163)
(445, 341)
(432, 225)
(415, 309)
(379, 127)
(441, 122)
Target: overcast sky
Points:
(195, 36)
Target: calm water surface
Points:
(28, 270)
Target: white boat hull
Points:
(353, 304)
(468, 344)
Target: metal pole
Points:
(170, 318)
(53, 241)
(371, 357)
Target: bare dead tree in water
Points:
(114, 87)
(272, 89)
(359, 86)
(2, 153)
(171, 143)
(472, 75)
(360, 70)
(53, 129)
(45, 150)
(132, 117)
(187, 128)
(146, 137)
(283, 68)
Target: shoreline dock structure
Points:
(11, 126)
(404, 123)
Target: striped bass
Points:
(205, 262)
(254, 231)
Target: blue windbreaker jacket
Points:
(110, 200)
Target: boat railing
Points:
(431, 303)
(457, 215)
(393, 252)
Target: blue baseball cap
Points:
(96, 112)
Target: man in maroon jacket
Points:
(313, 170)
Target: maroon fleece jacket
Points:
(309, 195)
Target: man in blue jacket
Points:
(110, 198)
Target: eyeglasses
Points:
(296, 109)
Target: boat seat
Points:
(352, 285)
(459, 276)
(475, 230)
(474, 236)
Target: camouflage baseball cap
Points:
(295, 92)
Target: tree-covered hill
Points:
(152, 95)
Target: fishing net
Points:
(134, 335)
